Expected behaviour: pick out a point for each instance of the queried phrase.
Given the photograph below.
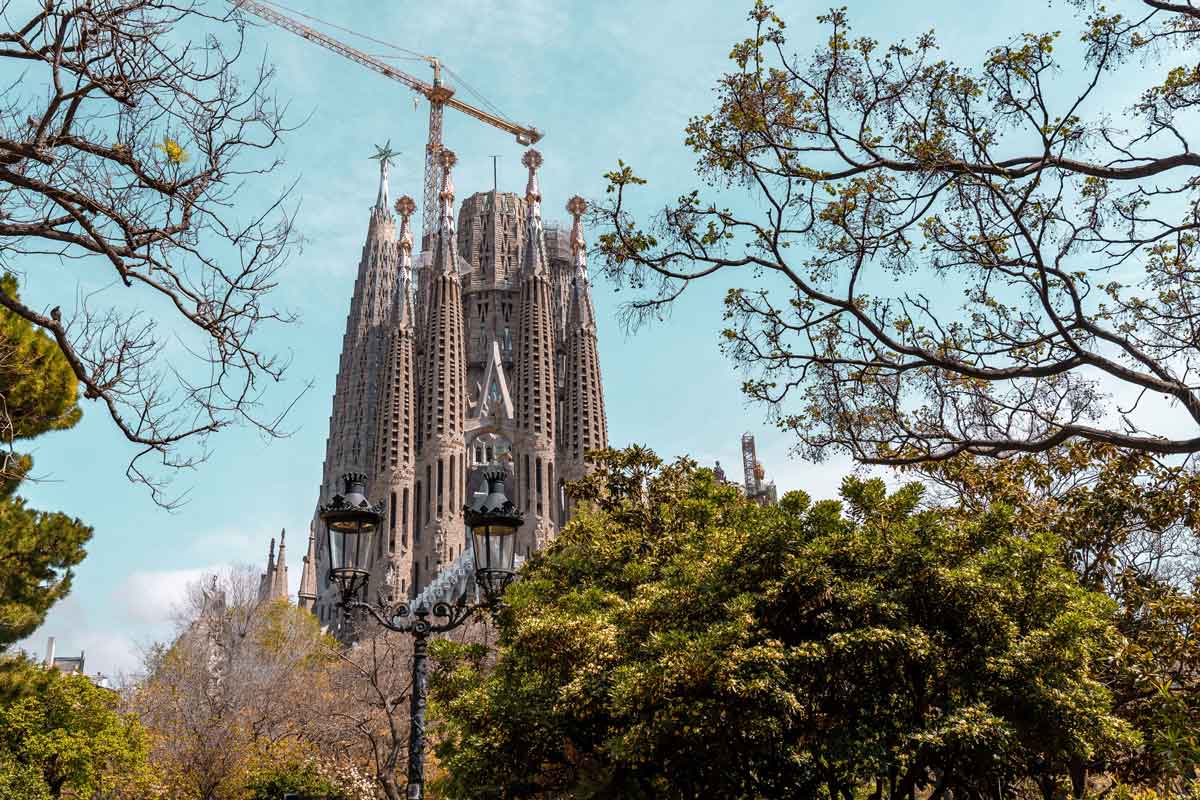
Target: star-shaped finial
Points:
(448, 159)
(385, 155)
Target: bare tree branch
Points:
(123, 146)
(947, 259)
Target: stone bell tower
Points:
(482, 354)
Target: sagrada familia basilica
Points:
(479, 352)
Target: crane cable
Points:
(412, 55)
(335, 26)
(475, 93)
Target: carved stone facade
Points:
(480, 351)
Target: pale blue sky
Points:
(604, 81)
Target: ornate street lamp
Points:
(492, 521)
(350, 521)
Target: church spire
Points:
(443, 382)
(279, 585)
(536, 386)
(306, 595)
(395, 452)
(584, 424)
(405, 207)
(267, 579)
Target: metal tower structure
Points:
(437, 93)
(749, 462)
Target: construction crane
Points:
(439, 95)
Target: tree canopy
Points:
(678, 640)
(37, 548)
(241, 696)
(940, 257)
(70, 740)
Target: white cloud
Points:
(108, 648)
(152, 596)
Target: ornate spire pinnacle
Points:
(385, 155)
(532, 159)
(306, 596)
(448, 160)
(580, 310)
(535, 244)
(405, 208)
(575, 207)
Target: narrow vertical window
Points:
(440, 479)
(428, 491)
(392, 529)
(417, 518)
(404, 520)
(538, 475)
(453, 483)
(526, 481)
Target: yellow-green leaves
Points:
(172, 151)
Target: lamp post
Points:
(492, 522)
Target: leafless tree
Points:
(373, 690)
(940, 258)
(244, 682)
(372, 693)
(127, 130)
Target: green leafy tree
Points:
(38, 393)
(1127, 525)
(677, 640)
(73, 737)
(303, 781)
(936, 256)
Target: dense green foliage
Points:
(678, 641)
(37, 549)
(299, 780)
(38, 393)
(69, 739)
(38, 385)
(1126, 524)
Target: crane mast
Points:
(438, 94)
